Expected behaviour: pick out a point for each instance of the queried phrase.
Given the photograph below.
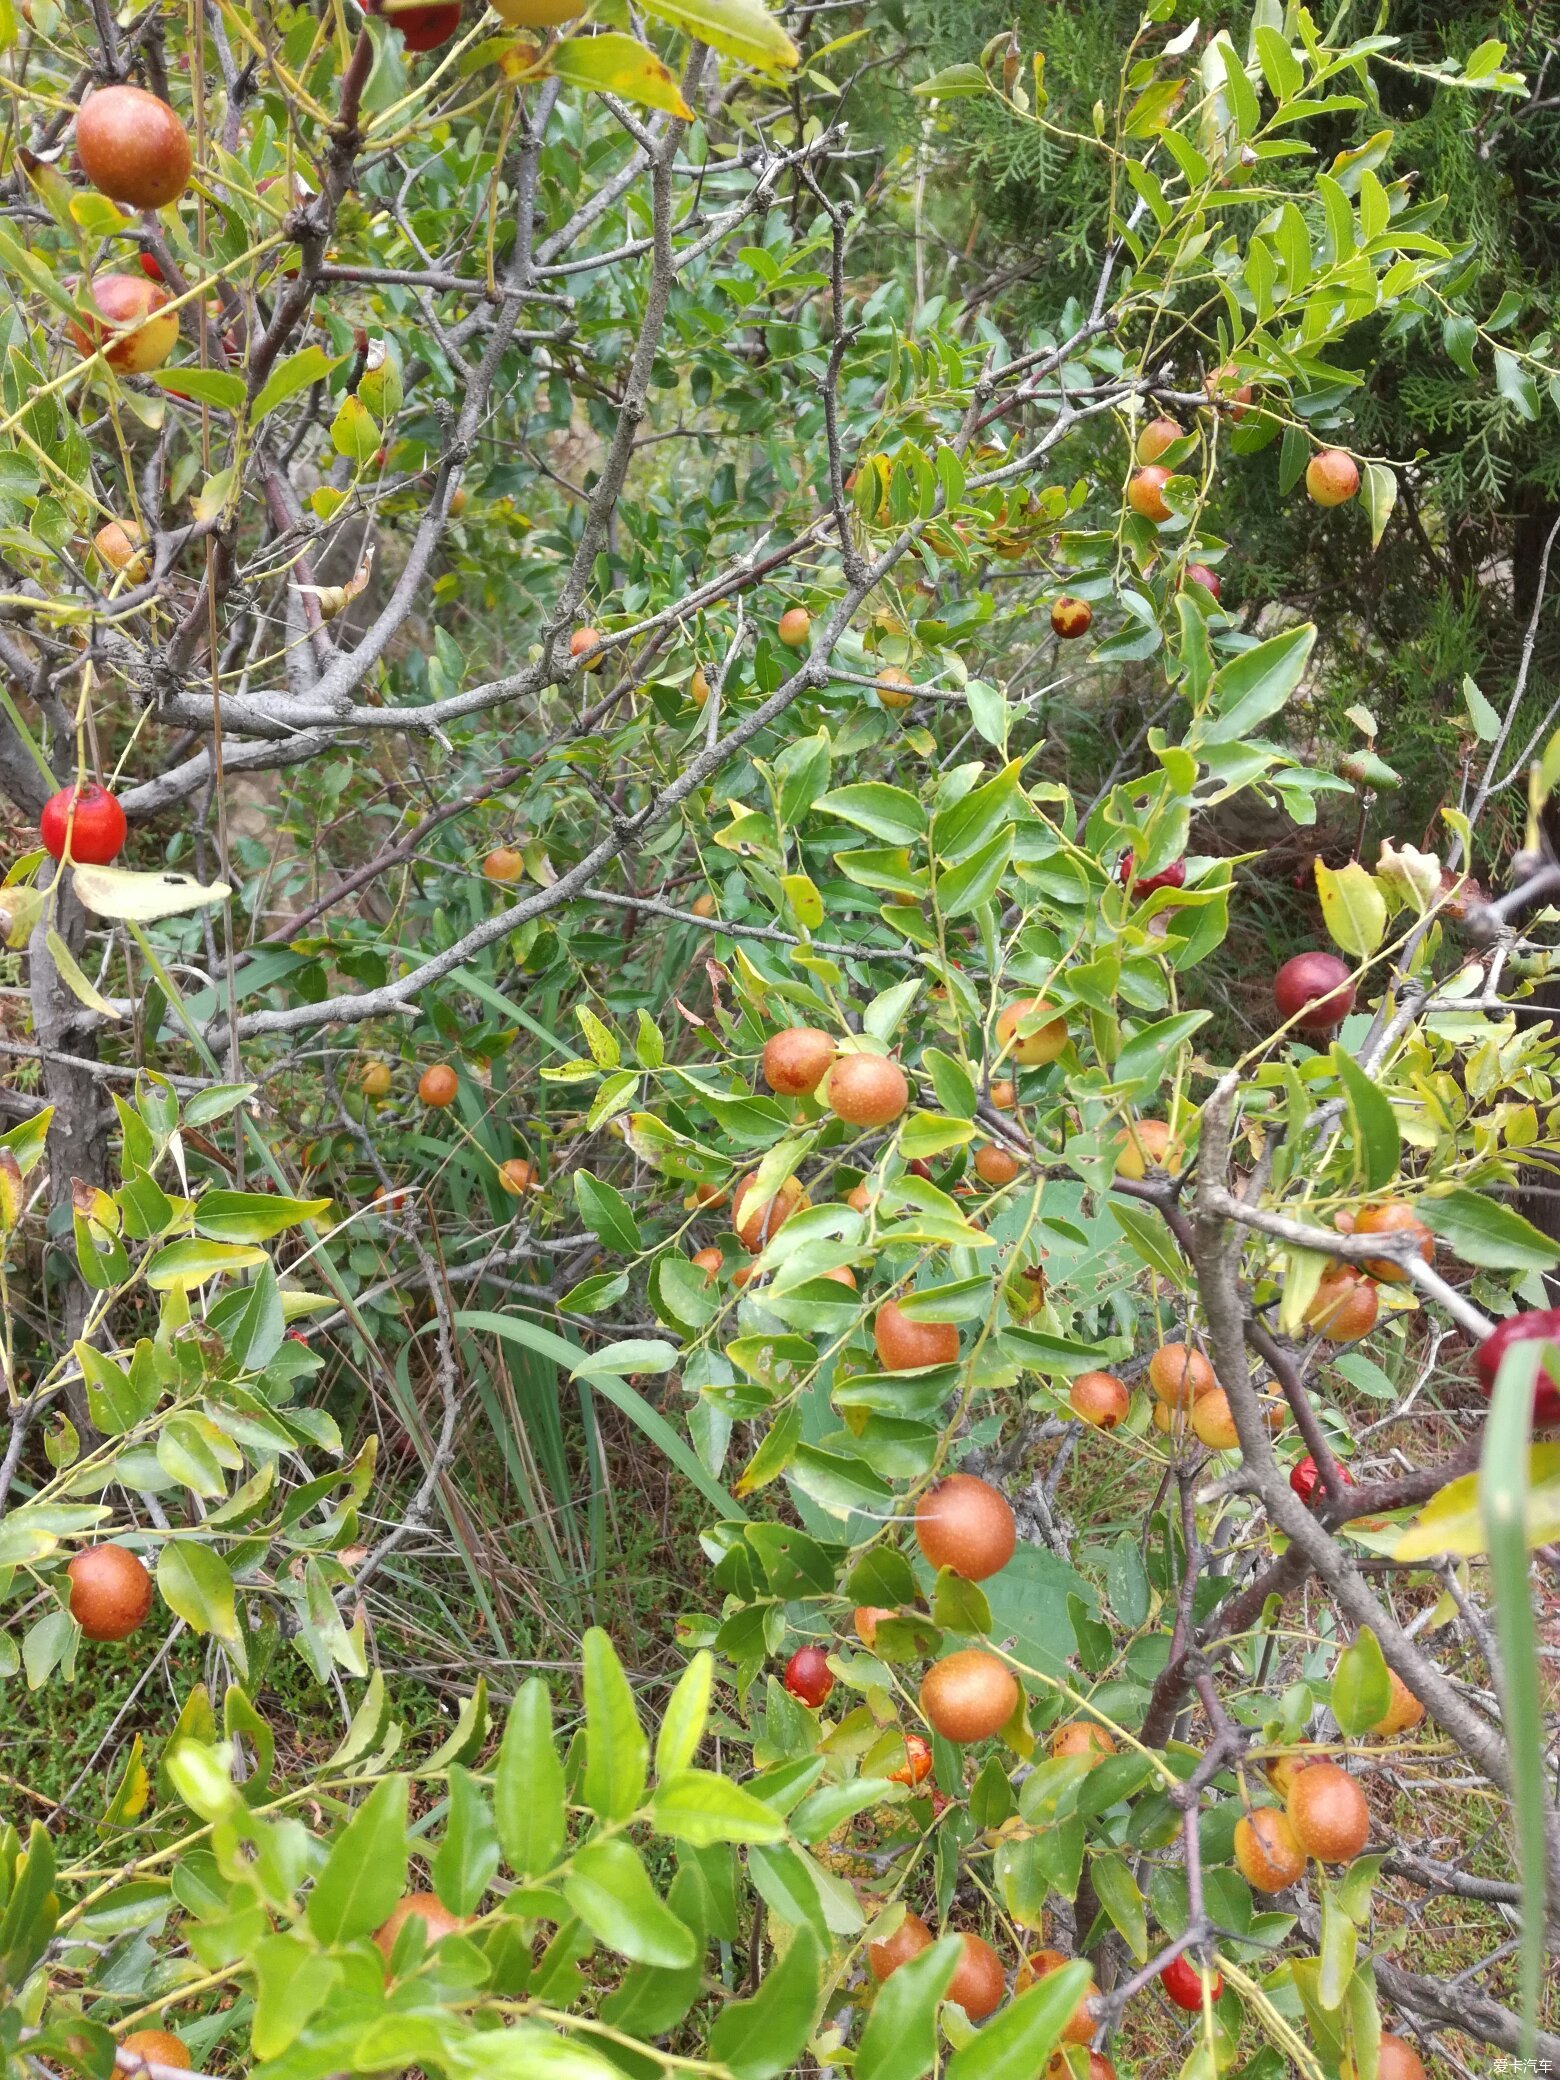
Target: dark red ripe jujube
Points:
(96, 825)
(1314, 991)
(1183, 1982)
(1200, 574)
(1173, 876)
(422, 28)
(1541, 1324)
(1305, 1478)
(808, 1677)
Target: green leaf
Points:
(1141, 1063)
(74, 980)
(617, 1755)
(609, 1888)
(1255, 684)
(606, 1213)
(1378, 1147)
(528, 1785)
(365, 1872)
(1486, 722)
(1339, 1945)
(253, 1216)
(899, 2041)
(742, 29)
(205, 385)
(953, 83)
(975, 880)
(191, 1263)
(195, 1584)
(634, 1354)
(1361, 1689)
(1122, 1901)
(687, 1710)
(464, 1864)
(354, 432)
(1485, 1232)
(1353, 908)
(613, 63)
(886, 812)
(1019, 2039)
(764, 2036)
(1379, 489)
(700, 1807)
(293, 1981)
(298, 372)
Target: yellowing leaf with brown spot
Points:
(142, 898)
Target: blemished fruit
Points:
(1396, 2059)
(430, 1910)
(1083, 1737)
(895, 689)
(906, 1345)
(584, 643)
(1040, 1964)
(422, 28)
(1173, 876)
(1331, 477)
(159, 2047)
(1156, 436)
(133, 148)
(120, 544)
(1099, 1398)
(908, 1940)
(1071, 617)
(92, 820)
(517, 1176)
(125, 316)
(703, 905)
(1209, 580)
(1328, 1813)
(709, 1261)
(1539, 1324)
(374, 1079)
(1144, 1146)
(1313, 991)
(808, 1676)
(110, 1592)
(969, 1695)
(1268, 1854)
(537, 14)
(1003, 1094)
(1044, 1044)
(437, 1085)
(758, 1221)
(1213, 1422)
(994, 1165)
(699, 687)
(1146, 493)
(503, 863)
(794, 628)
(1179, 1374)
(866, 1090)
(1393, 1217)
(866, 1619)
(977, 1984)
(1282, 1769)
(1182, 1980)
(797, 1060)
(966, 1524)
(917, 1765)
(1344, 1306)
(1402, 1714)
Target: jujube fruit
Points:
(709, 1261)
(537, 14)
(1040, 1964)
(796, 1061)
(1328, 1813)
(1144, 885)
(866, 1618)
(908, 1940)
(374, 1079)
(966, 1524)
(977, 1984)
(757, 1221)
(994, 1165)
(1314, 992)
(1305, 1478)
(1182, 1980)
(421, 28)
(503, 864)
(1213, 1421)
(1003, 1094)
(1403, 1713)
(1044, 1044)
(133, 148)
(437, 1086)
(1537, 1324)
(808, 1676)
(1156, 436)
(110, 1592)
(1344, 1306)
(430, 1910)
(121, 545)
(1393, 1217)
(1083, 1737)
(895, 689)
(1146, 493)
(1144, 1146)
(159, 2047)
(1209, 580)
(866, 1090)
(1070, 618)
(516, 1176)
(92, 819)
(126, 316)
(1179, 1373)
(906, 1345)
(969, 1695)
(1268, 1854)
(917, 1765)
(795, 626)
(1396, 2059)
(1099, 1398)
(1331, 477)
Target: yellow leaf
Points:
(1353, 908)
(1450, 1521)
(116, 892)
(740, 28)
(612, 63)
